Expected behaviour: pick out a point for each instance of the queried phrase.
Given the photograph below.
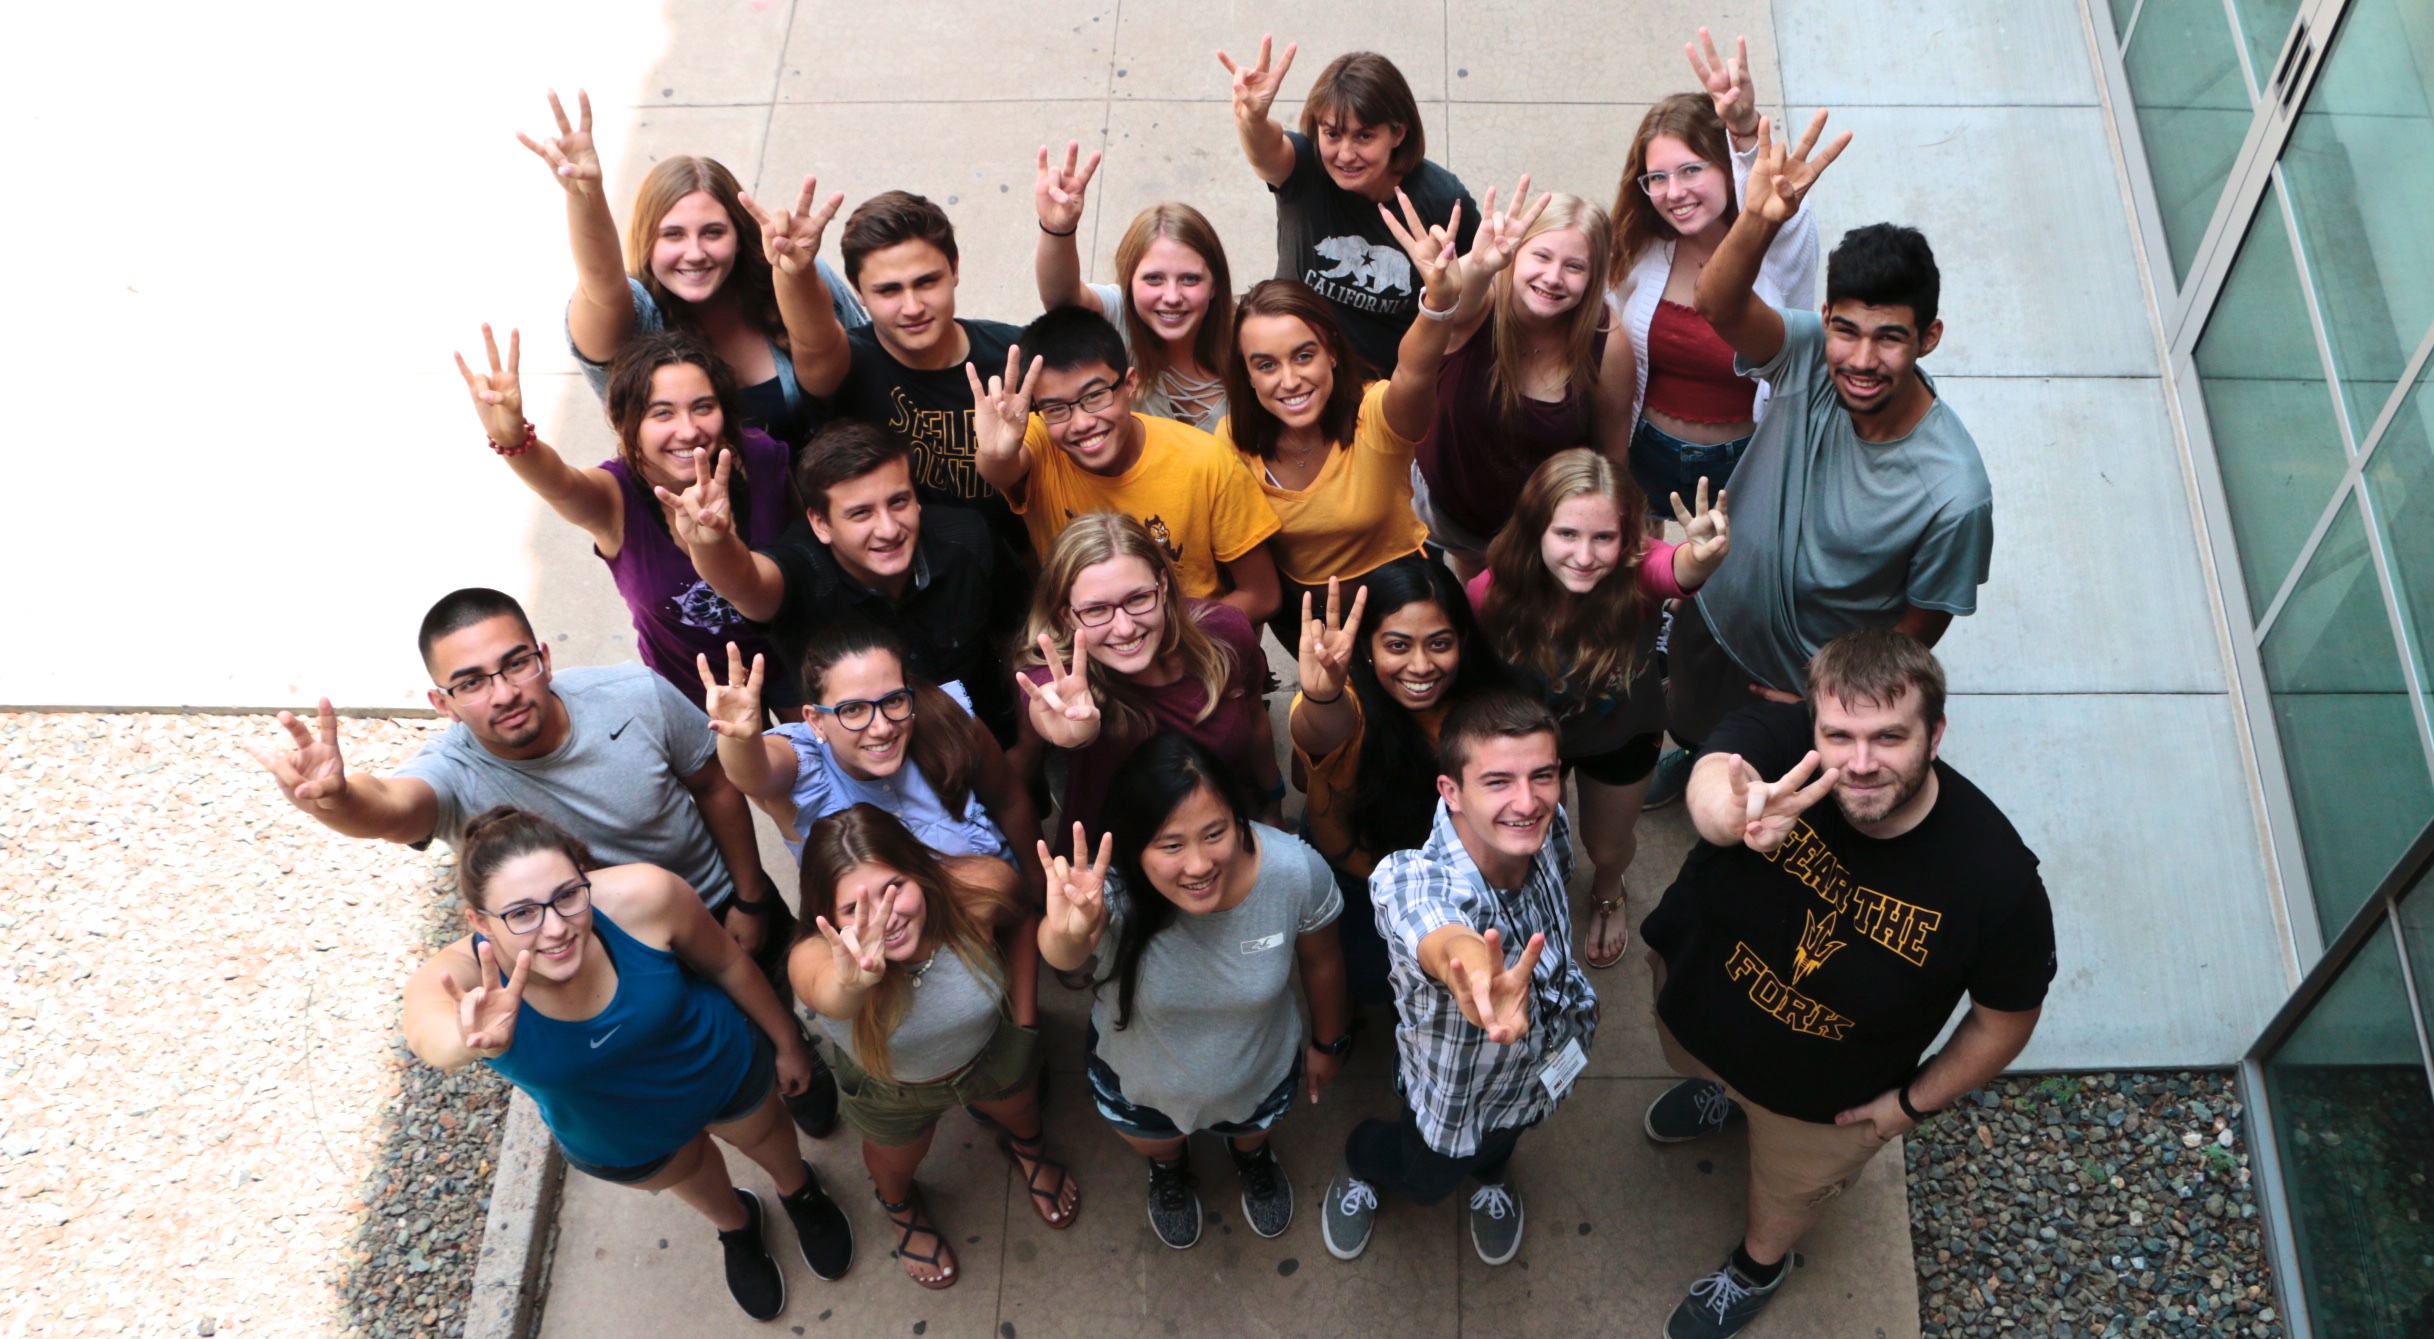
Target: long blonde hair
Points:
(1573, 643)
(1103, 537)
(1510, 375)
(1184, 226)
(1638, 223)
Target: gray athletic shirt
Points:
(1214, 1025)
(618, 782)
(1832, 533)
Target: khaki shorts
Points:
(895, 1114)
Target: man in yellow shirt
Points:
(1060, 439)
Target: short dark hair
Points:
(1495, 713)
(1064, 338)
(1885, 265)
(461, 609)
(888, 219)
(1368, 87)
(841, 453)
(1879, 665)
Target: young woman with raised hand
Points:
(1190, 943)
(1375, 682)
(693, 259)
(905, 975)
(1684, 411)
(639, 1030)
(1173, 299)
(673, 406)
(1569, 603)
(1117, 654)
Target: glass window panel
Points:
(2355, 1122)
(2360, 170)
(2349, 739)
(2122, 12)
(2268, 408)
(2266, 24)
(2417, 934)
(2193, 111)
(2400, 479)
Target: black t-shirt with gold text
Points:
(932, 409)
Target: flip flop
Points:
(1599, 909)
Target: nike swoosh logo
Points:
(605, 1036)
(621, 725)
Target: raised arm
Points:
(791, 240)
(314, 778)
(1471, 966)
(758, 764)
(1077, 902)
(1778, 181)
(702, 520)
(456, 1012)
(1730, 804)
(1707, 538)
(602, 315)
(1464, 288)
(1728, 85)
(835, 973)
(1058, 196)
(1001, 415)
(1323, 717)
(1255, 89)
(587, 499)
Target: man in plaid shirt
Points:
(1494, 1016)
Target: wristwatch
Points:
(1338, 1048)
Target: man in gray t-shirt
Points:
(1861, 501)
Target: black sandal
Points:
(916, 1221)
(1048, 1201)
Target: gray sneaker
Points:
(1174, 1206)
(1722, 1304)
(1669, 780)
(1496, 1222)
(1688, 1110)
(1267, 1193)
(1352, 1210)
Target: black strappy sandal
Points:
(1047, 1202)
(916, 1221)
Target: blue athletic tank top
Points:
(637, 1081)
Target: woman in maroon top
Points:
(672, 403)
(1517, 381)
(1121, 655)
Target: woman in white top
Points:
(1689, 414)
(1173, 299)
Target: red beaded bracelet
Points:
(532, 437)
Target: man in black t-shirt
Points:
(1360, 142)
(1808, 954)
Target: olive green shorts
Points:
(895, 1114)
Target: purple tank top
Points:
(1474, 466)
(676, 614)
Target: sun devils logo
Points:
(1816, 945)
(1165, 538)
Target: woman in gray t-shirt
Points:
(1194, 1025)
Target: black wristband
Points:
(1902, 1095)
(1054, 233)
(759, 908)
(1336, 1048)
(1324, 701)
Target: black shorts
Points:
(1620, 767)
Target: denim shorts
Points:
(759, 1081)
(1149, 1123)
(1663, 465)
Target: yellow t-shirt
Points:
(1328, 785)
(1187, 488)
(1356, 516)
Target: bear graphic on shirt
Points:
(1377, 269)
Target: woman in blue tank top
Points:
(638, 1029)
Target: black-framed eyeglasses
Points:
(856, 713)
(1688, 174)
(522, 667)
(569, 902)
(1089, 402)
(1138, 604)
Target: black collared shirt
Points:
(966, 599)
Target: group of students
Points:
(977, 575)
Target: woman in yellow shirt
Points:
(1334, 456)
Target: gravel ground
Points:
(207, 1122)
(2089, 1205)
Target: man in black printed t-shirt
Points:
(1808, 954)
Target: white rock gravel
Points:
(208, 1124)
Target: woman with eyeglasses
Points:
(638, 1029)
(1116, 654)
(1690, 412)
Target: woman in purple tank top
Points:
(673, 480)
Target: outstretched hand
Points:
(734, 707)
(1432, 248)
(1770, 808)
(1077, 892)
(1707, 531)
(1001, 409)
(486, 1014)
(703, 513)
(313, 775)
(1063, 710)
(571, 156)
(1499, 1001)
(790, 238)
(1727, 82)
(1058, 194)
(498, 397)
(1500, 232)
(1256, 86)
(859, 950)
(1780, 179)
(1326, 647)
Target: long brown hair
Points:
(942, 743)
(1253, 427)
(1638, 225)
(1184, 226)
(631, 373)
(671, 180)
(1105, 536)
(867, 834)
(1368, 87)
(1510, 375)
(1574, 643)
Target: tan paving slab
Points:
(946, 50)
(1170, 51)
(1575, 51)
(717, 52)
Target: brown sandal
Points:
(1599, 909)
(1050, 1201)
(916, 1222)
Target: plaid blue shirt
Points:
(1461, 1085)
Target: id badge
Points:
(1563, 1067)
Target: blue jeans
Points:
(1663, 465)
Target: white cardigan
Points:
(1786, 278)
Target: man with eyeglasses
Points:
(612, 753)
(1061, 439)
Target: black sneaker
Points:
(1724, 1303)
(1267, 1193)
(1669, 780)
(753, 1277)
(820, 1229)
(1174, 1206)
(815, 1108)
(1688, 1110)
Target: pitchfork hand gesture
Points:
(790, 238)
(1062, 709)
(1772, 807)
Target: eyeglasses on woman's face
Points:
(1687, 176)
(1139, 604)
(857, 713)
(524, 918)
